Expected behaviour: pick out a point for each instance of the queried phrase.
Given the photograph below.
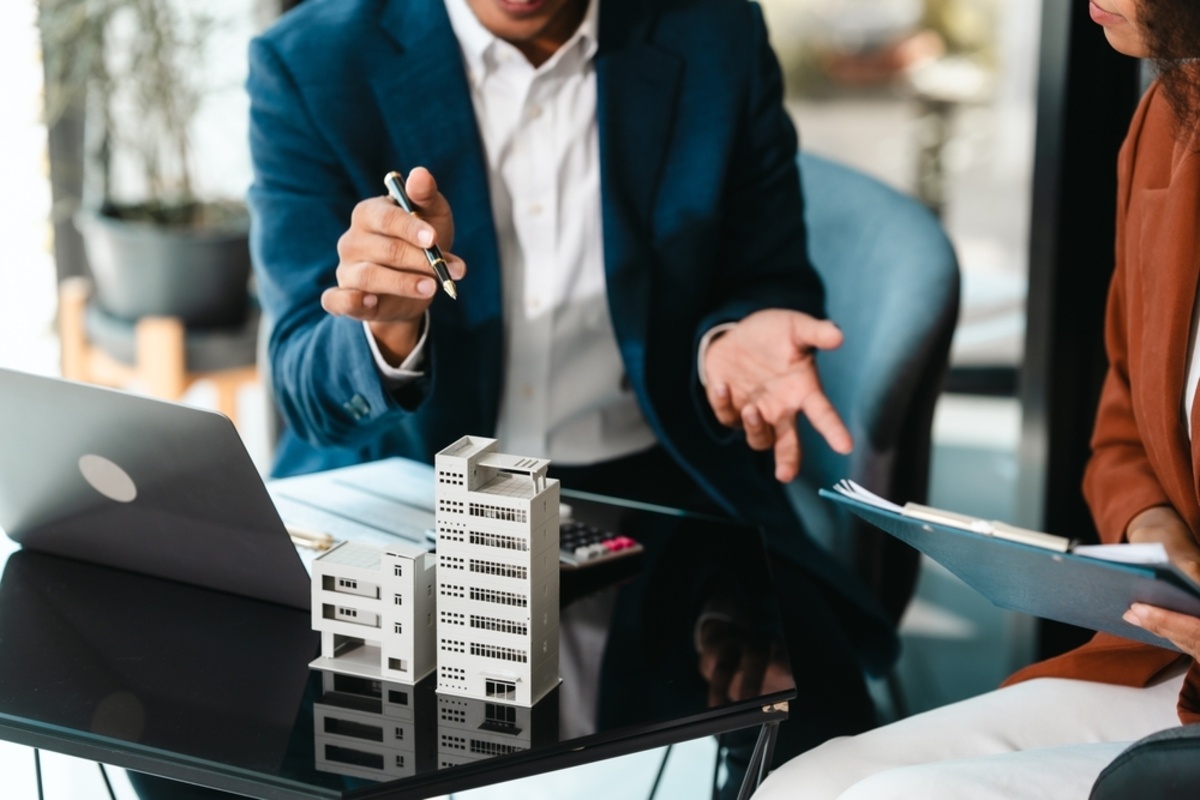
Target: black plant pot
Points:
(140, 269)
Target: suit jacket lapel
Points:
(432, 124)
(637, 94)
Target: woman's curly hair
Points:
(1172, 30)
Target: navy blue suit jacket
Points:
(702, 224)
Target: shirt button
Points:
(535, 112)
(535, 209)
(533, 303)
(527, 392)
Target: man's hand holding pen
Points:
(384, 274)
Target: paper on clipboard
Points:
(954, 519)
(1088, 586)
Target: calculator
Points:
(584, 545)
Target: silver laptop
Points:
(146, 485)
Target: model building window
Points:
(505, 715)
(399, 570)
(502, 653)
(488, 511)
(398, 628)
(500, 718)
(481, 747)
(399, 600)
(501, 690)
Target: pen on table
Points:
(394, 182)
(313, 540)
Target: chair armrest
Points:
(1163, 765)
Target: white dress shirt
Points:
(565, 396)
(1193, 374)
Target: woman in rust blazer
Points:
(1051, 729)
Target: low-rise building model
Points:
(374, 608)
(374, 729)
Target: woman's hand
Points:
(1162, 524)
(1181, 630)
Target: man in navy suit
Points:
(614, 185)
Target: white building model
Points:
(497, 576)
(373, 729)
(374, 608)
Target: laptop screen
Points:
(151, 486)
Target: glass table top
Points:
(680, 641)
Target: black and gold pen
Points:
(394, 182)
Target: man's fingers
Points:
(349, 303)
(722, 674)
(422, 189)
(809, 332)
(787, 449)
(376, 279)
(827, 422)
(721, 401)
(456, 266)
(380, 218)
(379, 215)
(368, 307)
(760, 435)
(748, 682)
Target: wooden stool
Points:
(159, 350)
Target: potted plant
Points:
(154, 247)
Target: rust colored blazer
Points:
(1141, 456)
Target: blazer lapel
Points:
(432, 123)
(637, 94)
(1160, 227)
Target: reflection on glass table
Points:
(678, 643)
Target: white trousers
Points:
(1043, 738)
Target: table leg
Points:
(760, 759)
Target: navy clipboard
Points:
(1066, 587)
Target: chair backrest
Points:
(892, 285)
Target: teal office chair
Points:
(892, 285)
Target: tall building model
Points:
(472, 730)
(374, 609)
(497, 575)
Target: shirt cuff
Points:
(410, 368)
(705, 341)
